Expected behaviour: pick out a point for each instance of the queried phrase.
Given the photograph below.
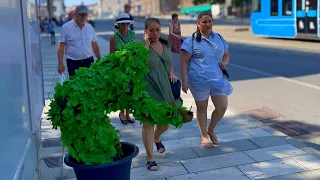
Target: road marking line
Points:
(276, 76)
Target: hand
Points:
(223, 64)
(185, 87)
(60, 68)
(173, 78)
(146, 40)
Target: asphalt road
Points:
(285, 81)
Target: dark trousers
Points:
(76, 64)
(53, 37)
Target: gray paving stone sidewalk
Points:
(249, 149)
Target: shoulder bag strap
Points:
(220, 38)
(121, 38)
(163, 62)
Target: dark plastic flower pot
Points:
(118, 170)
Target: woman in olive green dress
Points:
(158, 86)
(120, 37)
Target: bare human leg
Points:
(160, 130)
(221, 104)
(202, 122)
(148, 137)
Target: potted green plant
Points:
(81, 105)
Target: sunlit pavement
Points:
(249, 149)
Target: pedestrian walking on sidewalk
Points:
(175, 39)
(78, 43)
(122, 36)
(50, 29)
(158, 85)
(203, 56)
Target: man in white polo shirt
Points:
(78, 43)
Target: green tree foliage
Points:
(81, 106)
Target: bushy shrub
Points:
(81, 106)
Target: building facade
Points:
(186, 3)
(141, 7)
(167, 6)
(145, 7)
(58, 8)
(112, 6)
(22, 97)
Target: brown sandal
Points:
(213, 138)
(206, 144)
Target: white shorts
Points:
(201, 96)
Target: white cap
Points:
(124, 18)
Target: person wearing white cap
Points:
(78, 43)
(122, 36)
(127, 9)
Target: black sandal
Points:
(151, 164)
(159, 146)
(124, 121)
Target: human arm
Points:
(146, 40)
(184, 61)
(61, 49)
(60, 53)
(225, 59)
(95, 46)
(185, 56)
(112, 44)
(96, 49)
(173, 78)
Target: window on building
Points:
(286, 7)
(274, 8)
(256, 6)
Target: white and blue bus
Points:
(287, 19)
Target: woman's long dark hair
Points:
(198, 33)
(147, 24)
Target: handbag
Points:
(224, 70)
(62, 78)
(175, 87)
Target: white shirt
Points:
(77, 41)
